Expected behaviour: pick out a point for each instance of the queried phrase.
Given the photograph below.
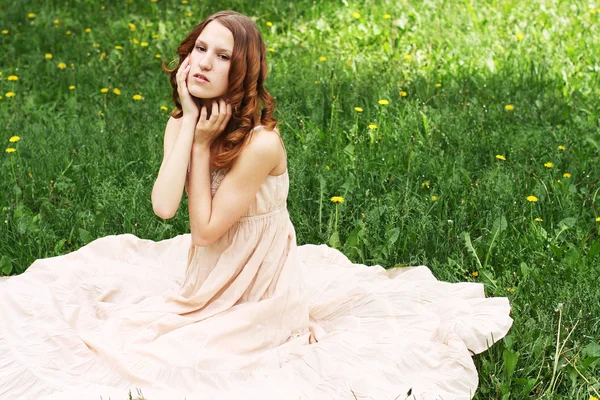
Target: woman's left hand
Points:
(208, 129)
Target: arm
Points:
(168, 187)
(211, 217)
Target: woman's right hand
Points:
(188, 105)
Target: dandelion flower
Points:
(538, 219)
(157, 56)
(56, 22)
(164, 108)
(316, 82)
(48, 56)
(500, 157)
(62, 65)
(387, 16)
(598, 219)
(322, 58)
(475, 274)
(31, 15)
(72, 87)
(356, 15)
(104, 90)
(532, 199)
(118, 47)
(137, 97)
(403, 94)
(510, 289)
(407, 56)
(438, 85)
(562, 148)
(88, 30)
(5, 31)
(548, 165)
(11, 150)
(135, 41)
(96, 45)
(13, 78)
(337, 199)
(10, 94)
(144, 44)
(509, 107)
(383, 102)
(116, 91)
(68, 32)
(566, 175)
(358, 109)
(131, 27)
(434, 198)
(269, 23)
(372, 126)
(272, 50)
(14, 139)
(519, 36)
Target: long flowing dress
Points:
(250, 316)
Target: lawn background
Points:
(479, 97)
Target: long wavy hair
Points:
(251, 104)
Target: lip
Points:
(201, 78)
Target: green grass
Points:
(424, 187)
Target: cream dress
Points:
(252, 316)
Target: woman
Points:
(235, 308)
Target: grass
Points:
(465, 82)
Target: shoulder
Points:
(264, 148)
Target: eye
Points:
(223, 57)
(201, 48)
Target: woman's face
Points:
(211, 57)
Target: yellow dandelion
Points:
(68, 32)
(475, 274)
(56, 22)
(322, 59)
(102, 7)
(96, 45)
(562, 148)
(519, 36)
(510, 289)
(88, 30)
(337, 199)
(164, 108)
(48, 56)
(438, 85)
(566, 175)
(538, 219)
(425, 184)
(14, 139)
(10, 94)
(13, 78)
(118, 47)
(131, 27)
(372, 126)
(593, 11)
(500, 157)
(144, 44)
(62, 65)
(548, 165)
(387, 16)
(104, 90)
(5, 31)
(327, 167)
(188, 14)
(72, 87)
(184, 1)
(349, 63)
(11, 150)
(407, 56)
(269, 23)
(272, 50)
(383, 102)
(509, 107)
(102, 55)
(155, 36)
(31, 15)
(157, 56)
(316, 82)
(135, 41)
(137, 97)
(597, 219)
(358, 109)
(403, 94)
(434, 198)
(356, 15)
(116, 91)
(153, 1)
(532, 199)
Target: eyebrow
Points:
(218, 50)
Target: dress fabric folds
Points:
(251, 316)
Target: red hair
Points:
(251, 104)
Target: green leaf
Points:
(334, 240)
(5, 265)
(510, 362)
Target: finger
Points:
(226, 118)
(222, 112)
(203, 114)
(215, 111)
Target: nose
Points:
(205, 62)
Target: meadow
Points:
(461, 135)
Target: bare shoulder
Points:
(263, 151)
